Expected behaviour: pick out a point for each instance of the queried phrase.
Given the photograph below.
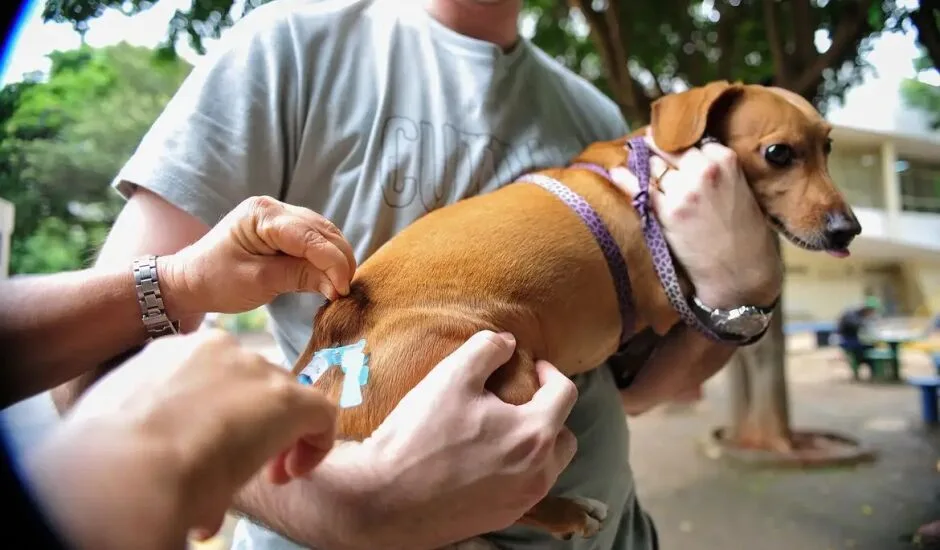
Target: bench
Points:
(823, 331)
(879, 361)
(884, 363)
(928, 386)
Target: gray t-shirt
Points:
(373, 114)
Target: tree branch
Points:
(804, 28)
(627, 92)
(848, 33)
(928, 34)
(775, 42)
(727, 39)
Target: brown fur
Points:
(519, 260)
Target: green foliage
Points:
(62, 141)
(921, 95)
(648, 48)
(204, 18)
(255, 320)
(636, 50)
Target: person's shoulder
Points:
(575, 89)
(294, 23)
(287, 11)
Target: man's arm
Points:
(683, 359)
(92, 316)
(219, 140)
(334, 502)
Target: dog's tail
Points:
(338, 323)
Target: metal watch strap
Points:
(152, 311)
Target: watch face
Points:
(747, 324)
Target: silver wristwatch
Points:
(152, 310)
(741, 325)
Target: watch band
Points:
(152, 310)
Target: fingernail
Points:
(326, 289)
(201, 534)
(510, 339)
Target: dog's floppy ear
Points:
(679, 120)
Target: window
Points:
(920, 186)
(857, 173)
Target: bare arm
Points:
(682, 360)
(333, 502)
(91, 315)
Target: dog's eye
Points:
(779, 155)
(827, 147)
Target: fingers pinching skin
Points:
(556, 396)
(328, 230)
(301, 239)
(477, 358)
(303, 234)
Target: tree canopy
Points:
(63, 139)
(919, 93)
(636, 50)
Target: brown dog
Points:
(520, 260)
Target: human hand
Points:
(161, 444)
(713, 225)
(458, 461)
(261, 249)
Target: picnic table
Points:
(893, 336)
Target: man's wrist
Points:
(727, 293)
(178, 300)
(334, 507)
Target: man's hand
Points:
(461, 459)
(451, 461)
(261, 249)
(714, 225)
(181, 427)
(721, 237)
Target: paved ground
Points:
(703, 504)
(699, 503)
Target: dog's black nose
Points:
(841, 228)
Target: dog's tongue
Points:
(839, 253)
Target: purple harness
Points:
(638, 163)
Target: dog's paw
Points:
(476, 543)
(592, 515)
(595, 513)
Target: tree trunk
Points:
(760, 410)
(928, 32)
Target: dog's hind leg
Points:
(564, 517)
(516, 382)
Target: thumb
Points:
(292, 274)
(477, 358)
(306, 436)
(625, 180)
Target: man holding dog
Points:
(372, 113)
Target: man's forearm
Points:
(682, 360)
(325, 510)
(345, 503)
(54, 328)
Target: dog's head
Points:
(782, 144)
